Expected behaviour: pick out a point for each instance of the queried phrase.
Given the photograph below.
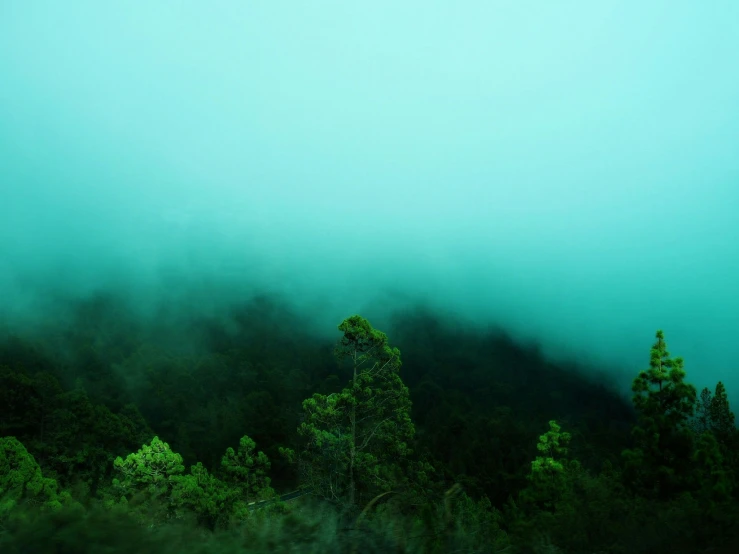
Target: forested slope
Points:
(433, 437)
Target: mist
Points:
(566, 172)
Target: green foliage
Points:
(471, 525)
(26, 403)
(357, 440)
(721, 416)
(553, 447)
(21, 479)
(154, 486)
(660, 462)
(477, 413)
(153, 470)
(154, 482)
(247, 469)
(314, 528)
(548, 479)
(202, 494)
(72, 438)
(96, 531)
(715, 416)
(702, 422)
(715, 479)
(718, 448)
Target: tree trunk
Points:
(353, 451)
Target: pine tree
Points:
(721, 416)
(248, 469)
(660, 462)
(154, 467)
(722, 427)
(358, 439)
(21, 479)
(714, 416)
(702, 422)
(548, 470)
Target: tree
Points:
(721, 417)
(714, 478)
(21, 479)
(716, 420)
(209, 498)
(548, 471)
(714, 415)
(356, 441)
(660, 462)
(153, 469)
(248, 469)
(702, 423)
(22, 413)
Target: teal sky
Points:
(566, 169)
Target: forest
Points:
(250, 432)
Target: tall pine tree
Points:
(660, 462)
(357, 440)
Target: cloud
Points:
(566, 173)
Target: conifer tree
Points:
(248, 469)
(548, 471)
(713, 414)
(357, 439)
(702, 422)
(721, 417)
(716, 419)
(21, 479)
(155, 467)
(660, 462)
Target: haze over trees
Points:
(360, 445)
(356, 277)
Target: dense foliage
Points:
(114, 436)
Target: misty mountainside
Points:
(369, 276)
(447, 437)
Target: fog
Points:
(565, 170)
